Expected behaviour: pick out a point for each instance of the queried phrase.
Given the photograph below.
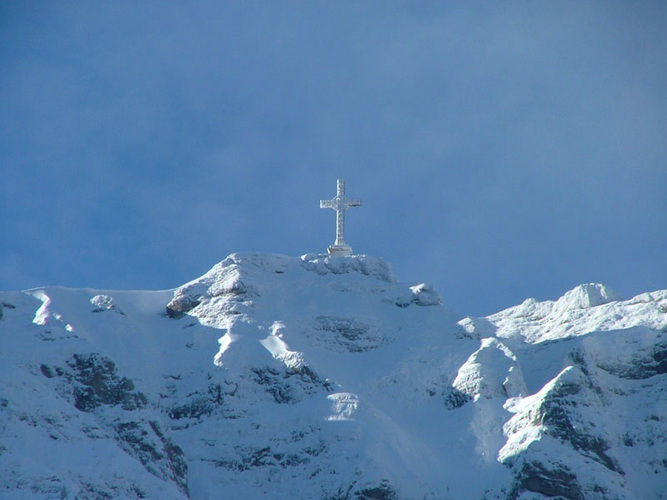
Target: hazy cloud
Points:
(501, 150)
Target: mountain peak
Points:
(249, 274)
(587, 295)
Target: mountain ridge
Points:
(324, 377)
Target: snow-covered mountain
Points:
(324, 378)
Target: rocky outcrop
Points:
(492, 371)
(554, 481)
(94, 386)
(94, 382)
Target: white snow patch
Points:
(343, 405)
(225, 341)
(44, 314)
(491, 371)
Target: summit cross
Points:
(340, 203)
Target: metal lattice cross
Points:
(340, 204)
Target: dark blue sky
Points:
(502, 150)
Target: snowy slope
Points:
(323, 377)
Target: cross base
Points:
(342, 250)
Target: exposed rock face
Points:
(581, 427)
(557, 481)
(94, 382)
(324, 378)
(96, 388)
(103, 303)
